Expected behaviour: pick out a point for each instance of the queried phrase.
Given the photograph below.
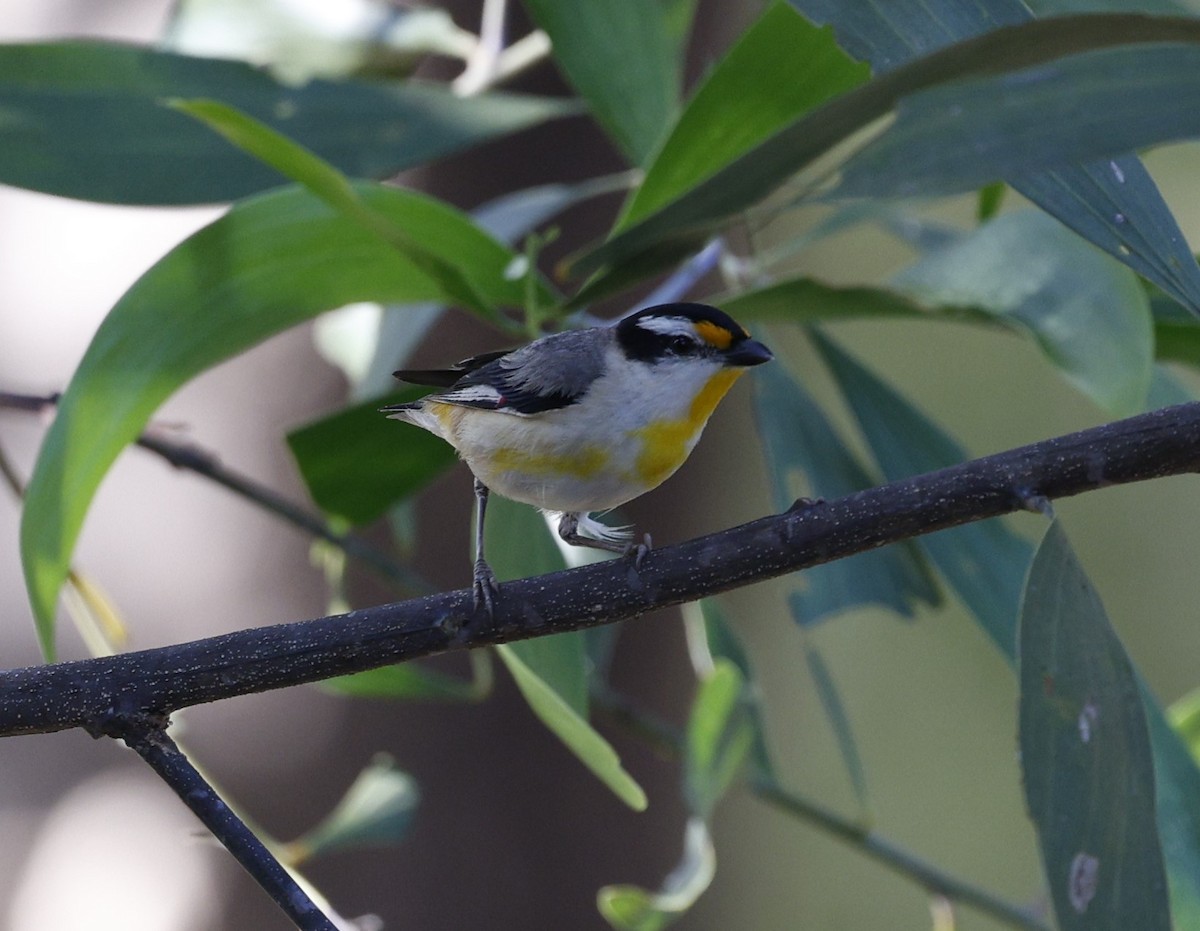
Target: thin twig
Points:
(935, 880)
(193, 458)
(50, 698)
(154, 746)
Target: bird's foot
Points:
(637, 551)
(485, 587)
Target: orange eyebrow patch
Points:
(714, 334)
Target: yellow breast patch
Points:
(665, 443)
(584, 462)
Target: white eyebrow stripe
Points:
(669, 326)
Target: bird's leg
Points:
(568, 529)
(484, 580)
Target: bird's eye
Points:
(681, 344)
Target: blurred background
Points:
(512, 832)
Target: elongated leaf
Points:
(839, 720)
(376, 811)
(1114, 203)
(623, 56)
(800, 145)
(519, 545)
(985, 563)
(1085, 754)
(298, 164)
(806, 457)
(410, 681)
(1096, 104)
(1086, 311)
(357, 463)
(270, 263)
(781, 68)
(807, 300)
(593, 750)
(85, 120)
(719, 735)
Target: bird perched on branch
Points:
(584, 420)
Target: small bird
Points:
(584, 420)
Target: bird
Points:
(584, 420)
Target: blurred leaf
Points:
(1113, 203)
(623, 57)
(780, 68)
(1184, 716)
(1166, 390)
(630, 908)
(412, 681)
(991, 199)
(1087, 312)
(376, 811)
(806, 457)
(269, 263)
(357, 463)
(724, 645)
(86, 120)
(806, 300)
(295, 162)
(839, 720)
(984, 562)
(369, 36)
(859, 114)
(594, 751)
(1085, 754)
(719, 734)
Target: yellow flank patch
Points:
(714, 334)
(585, 462)
(665, 442)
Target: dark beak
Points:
(748, 352)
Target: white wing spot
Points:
(1081, 885)
(1088, 718)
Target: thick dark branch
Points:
(154, 746)
(81, 694)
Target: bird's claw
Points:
(637, 551)
(485, 587)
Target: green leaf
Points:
(594, 751)
(1113, 203)
(376, 810)
(805, 457)
(631, 908)
(1086, 311)
(754, 175)
(780, 68)
(86, 120)
(839, 720)
(412, 681)
(269, 263)
(722, 644)
(806, 300)
(295, 162)
(985, 563)
(719, 735)
(1085, 754)
(1096, 104)
(356, 463)
(623, 56)
(519, 545)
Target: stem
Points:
(668, 740)
(193, 458)
(154, 746)
(897, 858)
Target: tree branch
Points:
(152, 743)
(83, 693)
